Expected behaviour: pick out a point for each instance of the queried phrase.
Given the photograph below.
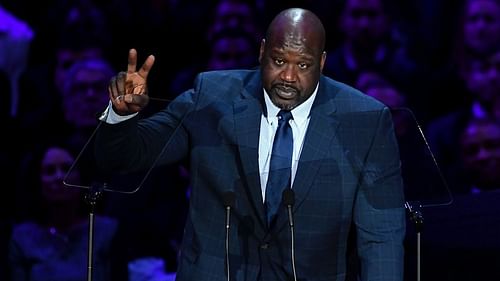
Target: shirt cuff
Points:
(111, 117)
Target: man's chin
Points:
(284, 104)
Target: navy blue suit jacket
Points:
(348, 173)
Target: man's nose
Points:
(289, 74)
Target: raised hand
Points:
(128, 90)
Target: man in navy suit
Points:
(345, 167)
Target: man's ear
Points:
(323, 60)
(261, 51)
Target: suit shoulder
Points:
(239, 74)
(345, 93)
(227, 80)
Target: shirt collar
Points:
(299, 113)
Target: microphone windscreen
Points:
(288, 197)
(229, 199)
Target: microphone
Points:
(228, 199)
(288, 201)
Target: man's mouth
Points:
(285, 92)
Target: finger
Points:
(120, 83)
(132, 61)
(130, 84)
(112, 90)
(146, 66)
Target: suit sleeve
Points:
(379, 213)
(136, 144)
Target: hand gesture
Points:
(128, 90)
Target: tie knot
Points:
(285, 115)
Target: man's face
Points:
(55, 164)
(86, 97)
(480, 148)
(483, 78)
(482, 25)
(291, 65)
(231, 53)
(66, 58)
(364, 22)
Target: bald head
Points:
(298, 23)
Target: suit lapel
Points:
(247, 117)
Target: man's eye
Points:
(303, 65)
(279, 61)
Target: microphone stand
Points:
(415, 215)
(229, 199)
(417, 218)
(292, 234)
(288, 197)
(94, 194)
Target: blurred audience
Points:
(229, 49)
(369, 42)
(82, 34)
(476, 38)
(372, 40)
(482, 78)
(232, 40)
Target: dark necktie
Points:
(280, 171)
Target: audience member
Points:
(231, 41)
(374, 84)
(236, 15)
(229, 49)
(480, 155)
(82, 35)
(83, 96)
(372, 40)
(460, 240)
(51, 243)
(480, 25)
(368, 42)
